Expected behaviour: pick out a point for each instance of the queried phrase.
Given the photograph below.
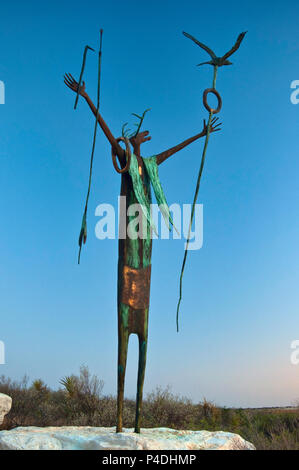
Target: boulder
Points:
(89, 438)
(5, 406)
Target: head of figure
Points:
(139, 139)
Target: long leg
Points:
(123, 338)
(140, 381)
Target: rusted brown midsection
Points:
(137, 321)
(135, 287)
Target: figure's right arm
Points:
(73, 85)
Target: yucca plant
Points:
(70, 383)
(39, 386)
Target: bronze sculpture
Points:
(134, 263)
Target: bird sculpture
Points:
(217, 61)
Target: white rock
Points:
(88, 438)
(5, 406)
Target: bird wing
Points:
(235, 46)
(203, 46)
(204, 63)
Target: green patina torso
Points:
(137, 189)
(136, 253)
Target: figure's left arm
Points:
(161, 157)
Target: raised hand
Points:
(73, 85)
(213, 128)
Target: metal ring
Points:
(205, 103)
(128, 156)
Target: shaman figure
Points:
(138, 175)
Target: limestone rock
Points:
(89, 438)
(5, 406)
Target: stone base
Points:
(88, 438)
(5, 406)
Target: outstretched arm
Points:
(73, 85)
(161, 157)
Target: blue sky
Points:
(240, 307)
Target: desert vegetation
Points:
(80, 401)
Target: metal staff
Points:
(81, 73)
(215, 62)
(83, 231)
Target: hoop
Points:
(128, 156)
(205, 103)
